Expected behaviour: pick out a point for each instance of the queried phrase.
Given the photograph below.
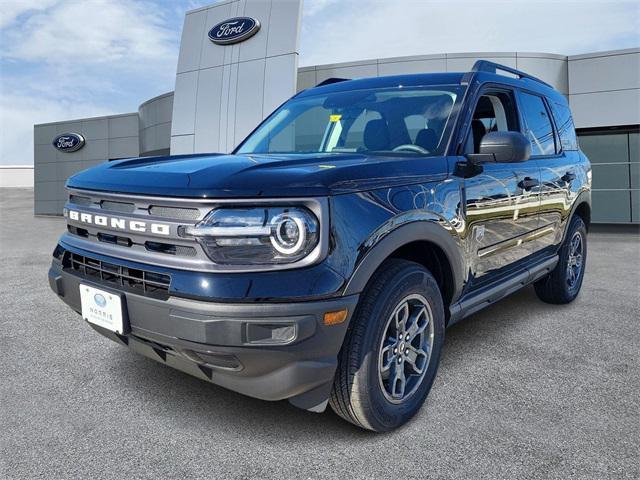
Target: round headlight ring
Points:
(278, 240)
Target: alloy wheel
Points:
(405, 348)
(574, 262)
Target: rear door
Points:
(502, 200)
(559, 177)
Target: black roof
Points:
(483, 71)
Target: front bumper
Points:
(271, 351)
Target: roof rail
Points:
(329, 81)
(491, 67)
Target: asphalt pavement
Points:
(524, 390)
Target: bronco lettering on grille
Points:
(120, 223)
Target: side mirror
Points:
(502, 147)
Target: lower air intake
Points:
(142, 282)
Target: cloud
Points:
(363, 29)
(313, 7)
(96, 31)
(73, 59)
(12, 9)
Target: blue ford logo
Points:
(69, 142)
(234, 30)
(100, 300)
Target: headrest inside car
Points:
(376, 135)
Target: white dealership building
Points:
(223, 90)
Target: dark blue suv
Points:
(321, 261)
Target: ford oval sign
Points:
(100, 300)
(234, 30)
(68, 142)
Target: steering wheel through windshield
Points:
(411, 148)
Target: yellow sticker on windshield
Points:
(334, 118)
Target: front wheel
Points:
(563, 284)
(391, 354)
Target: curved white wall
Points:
(154, 120)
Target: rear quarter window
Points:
(564, 124)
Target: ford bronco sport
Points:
(321, 261)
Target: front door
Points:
(502, 201)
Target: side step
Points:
(491, 294)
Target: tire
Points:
(361, 394)
(563, 284)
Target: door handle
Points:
(568, 177)
(527, 183)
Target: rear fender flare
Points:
(583, 197)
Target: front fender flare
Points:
(428, 231)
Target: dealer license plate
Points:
(102, 308)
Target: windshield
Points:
(411, 120)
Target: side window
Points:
(494, 112)
(538, 129)
(564, 125)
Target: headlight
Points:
(257, 236)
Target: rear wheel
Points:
(391, 354)
(564, 283)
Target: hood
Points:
(259, 175)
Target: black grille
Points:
(78, 200)
(115, 239)
(170, 249)
(80, 232)
(150, 284)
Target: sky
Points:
(65, 59)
